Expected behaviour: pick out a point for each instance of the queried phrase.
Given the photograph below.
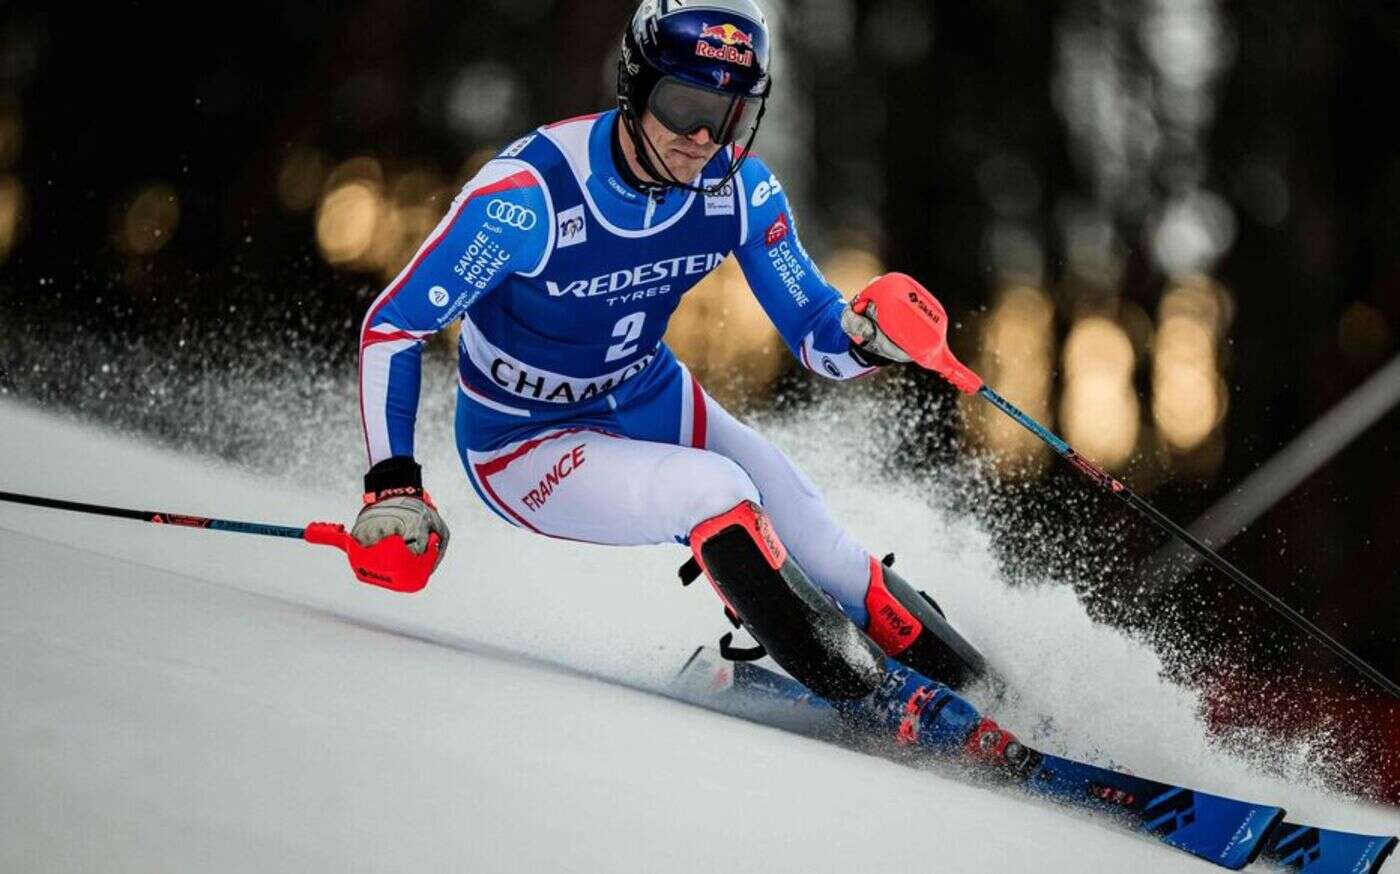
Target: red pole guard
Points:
(389, 564)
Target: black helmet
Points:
(694, 64)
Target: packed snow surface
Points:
(178, 700)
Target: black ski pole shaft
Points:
(1098, 475)
(157, 518)
(923, 324)
(388, 563)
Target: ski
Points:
(1225, 831)
(1297, 847)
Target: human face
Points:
(684, 154)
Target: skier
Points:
(563, 258)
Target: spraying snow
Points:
(201, 701)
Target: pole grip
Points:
(960, 375)
(916, 322)
(389, 564)
(326, 534)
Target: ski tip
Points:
(1313, 850)
(1384, 853)
(1266, 836)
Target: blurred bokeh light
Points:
(484, 100)
(11, 200)
(150, 220)
(300, 177)
(1188, 394)
(1016, 355)
(1099, 407)
(1363, 335)
(347, 219)
(850, 267)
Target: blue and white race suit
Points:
(573, 418)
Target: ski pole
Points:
(389, 563)
(1131, 498)
(927, 330)
(159, 518)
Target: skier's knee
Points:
(714, 486)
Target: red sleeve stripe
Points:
(523, 179)
(370, 337)
(698, 426)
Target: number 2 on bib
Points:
(629, 328)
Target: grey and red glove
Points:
(870, 345)
(395, 503)
(897, 319)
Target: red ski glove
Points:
(897, 318)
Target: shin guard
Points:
(803, 631)
(907, 626)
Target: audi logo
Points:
(508, 213)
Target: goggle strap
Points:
(641, 143)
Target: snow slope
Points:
(175, 700)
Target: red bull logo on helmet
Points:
(727, 34)
(731, 38)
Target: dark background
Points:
(914, 130)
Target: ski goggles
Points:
(686, 108)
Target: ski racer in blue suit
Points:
(563, 260)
